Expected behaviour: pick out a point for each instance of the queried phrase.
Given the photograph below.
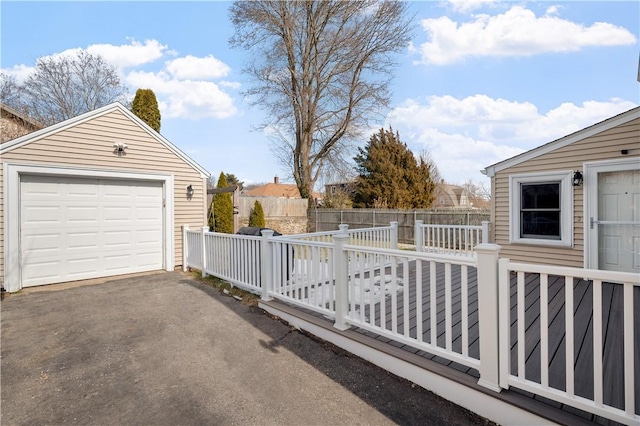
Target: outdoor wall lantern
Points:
(119, 147)
(189, 191)
(577, 178)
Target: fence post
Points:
(266, 270)
(487, 258)
(394, 235)
(341, 265)
(344, 228)
(204, 252)
(185, 248)
(418, 236)
(485, 231)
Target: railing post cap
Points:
(487, 248)
(267, 232)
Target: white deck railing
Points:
(192, 247)
(569, 279)
(376, 289)
(234, 258)
(383, 285)
(379, 236)
(449, 239)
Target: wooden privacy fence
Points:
(322, 220)
(567, 334)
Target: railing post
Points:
(485, 232)
(488, 316)
(341, 267)
(205, 229)
(344, 228)
(266, 270)
(394, 234)
(185, 248)
(418, 236)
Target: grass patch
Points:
(247, 298)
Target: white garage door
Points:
(80, 228)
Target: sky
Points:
(480, 81)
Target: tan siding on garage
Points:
(90, 145)
(602, 146)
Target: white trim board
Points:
(12, 280)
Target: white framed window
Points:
(541, 208)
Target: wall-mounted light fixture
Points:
(189, 191)
(577, 178)
(119, 147)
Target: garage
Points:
(101, 194)
(80, 228)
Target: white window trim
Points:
(12, 263)
(566, 207)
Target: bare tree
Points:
(321, 70)
(62, 87)
(9, 91)
(479, 193)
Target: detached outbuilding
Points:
(574, 201)
(97, 195)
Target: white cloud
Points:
(466, 135)
(230, 84)
(20, 72)
(191, 67)
(129, 55)
(468, 5)
(185, 98)
(517, 32)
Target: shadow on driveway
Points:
(168, 349)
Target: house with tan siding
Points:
(97, 195)
(574, 201)
(14, 124)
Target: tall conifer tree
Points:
(145, 106)
(390, 176)
(223, 208)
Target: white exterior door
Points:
(74, 228)
(614, 217)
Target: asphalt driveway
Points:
(165, 349)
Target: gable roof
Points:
(600, 127)
(6, 109)
(116, 106)
(275, 190)
(287, 190)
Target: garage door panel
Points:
(82, 215)
(80, 228)
(82, 240)
(117, 238)
(41, 215)
(43, 243)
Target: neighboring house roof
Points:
(37, 135)
(285, 190)
(447, 195)
(21, 123)
(600, 127)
